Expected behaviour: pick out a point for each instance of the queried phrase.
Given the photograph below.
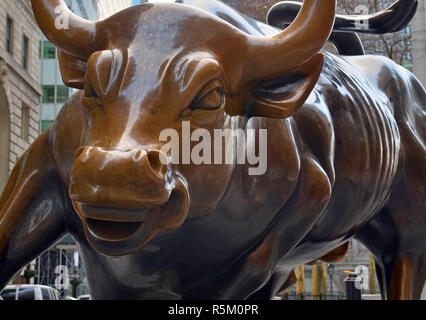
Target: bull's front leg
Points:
(31, 210)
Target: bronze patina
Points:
(346, 156)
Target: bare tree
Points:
(396, 46)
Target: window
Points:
(25, 123)
(62, 94)
(45, 124)
(49, 94)
(9, 294)
(25, 46)
(45, 294)
(47, 50)
(26, 294)
(53, 294)
(9, 34)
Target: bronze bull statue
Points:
(345, 156)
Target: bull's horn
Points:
(392, 19)
(269, 56)
(64, 29)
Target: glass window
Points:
(49, 67)
(53, 294)
(45, 294)
(59, 107)
(9, 294)
(48, 94)
(25, 46)
(9, 34)
(26, 294)
(63, 94)
(49, 50)
(48, 111)
(45, 124)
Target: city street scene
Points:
(212, 150)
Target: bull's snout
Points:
(130, 179)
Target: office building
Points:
(19, 89)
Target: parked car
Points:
(29, 292)
(85, 297)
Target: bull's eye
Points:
(90, 97)
(211, 97)
(212, 100)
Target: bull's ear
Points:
(73, 70)
(283, 96)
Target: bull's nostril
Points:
(156, 164)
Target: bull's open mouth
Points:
(111, 224)
(112, 230)
(117, 232)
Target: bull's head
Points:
(150, 67)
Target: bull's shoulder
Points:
(316, 132)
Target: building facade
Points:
(419, 43)
(19, 89)
(55, 93)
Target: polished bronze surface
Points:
(345, 156)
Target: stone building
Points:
(419, 42)
(19, 89)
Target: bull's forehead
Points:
(162, 55)
(167, 41)
(171, 23)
